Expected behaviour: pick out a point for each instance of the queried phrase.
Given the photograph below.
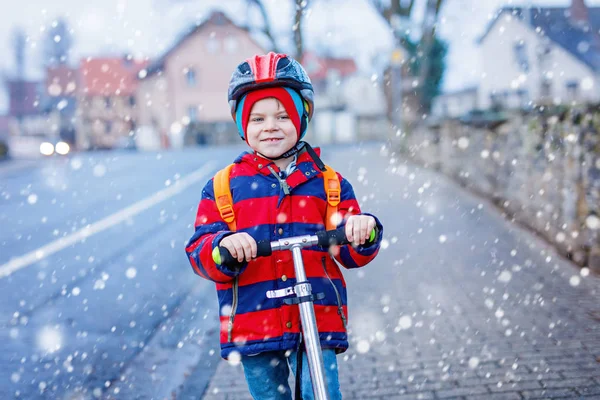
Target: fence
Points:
(543, 168)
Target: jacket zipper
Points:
(337, 294)
(282, 182)
(233, 309)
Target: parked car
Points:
(3, 149)
(35, 146)
(49, 148)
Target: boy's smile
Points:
(270, 130)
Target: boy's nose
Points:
(270, 124)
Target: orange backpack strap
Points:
(333, 190)
(223, 196)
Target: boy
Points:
(278, 191)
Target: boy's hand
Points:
(241, 246)
(359, 228)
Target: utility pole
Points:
(17, 91)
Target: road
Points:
(97, 299)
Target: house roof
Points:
(580, 40)
(216, 17)
(317, 66)
(109, 76)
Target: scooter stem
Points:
(309, 328)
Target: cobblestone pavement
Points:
(459, 304)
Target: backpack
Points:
(224, 201)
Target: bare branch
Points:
(300, 5)
(396, 7)
(266, 23)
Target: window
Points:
(107, 102)
(497, 101)
(193, 113)
(544, 54)
(231, 44)
(132, 101)
(546, 88)
(520, 53)
(108, 127)
(190, 77)
(212, 45)
(572, 90)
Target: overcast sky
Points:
(148, 27)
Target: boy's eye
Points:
(256, 119)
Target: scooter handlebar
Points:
(334, 237)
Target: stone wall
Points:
(543, 169)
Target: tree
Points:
(17, 88)
(19, 42)
(428, 46)
(299, 9)
(57, 43)
(297, 28)
(428, 49)
(266, 23)
(391, 11)
(436, 64)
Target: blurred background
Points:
(96, 75)
(152, 74)
(110, 110)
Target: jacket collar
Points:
(260, 164)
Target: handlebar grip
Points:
(332, 238)
(263, 248)
(221, 255)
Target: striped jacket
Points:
(268, 207)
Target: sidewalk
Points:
(459, 304)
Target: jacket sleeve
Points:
(210, 228)
(348, 255)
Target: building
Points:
(60, 98)
(182, 95)
(27, 124)
(107, 112)
(24, 97)
(328, 75)
(348, 105)
(541, 55)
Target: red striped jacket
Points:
(267, 208)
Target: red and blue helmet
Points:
(271, 70)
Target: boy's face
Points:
(270, 130)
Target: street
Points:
(99, 301)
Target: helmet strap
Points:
(296, 149)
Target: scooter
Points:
(303, 291)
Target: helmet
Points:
(270, 70)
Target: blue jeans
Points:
(267, 375)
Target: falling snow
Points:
(90, 314)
